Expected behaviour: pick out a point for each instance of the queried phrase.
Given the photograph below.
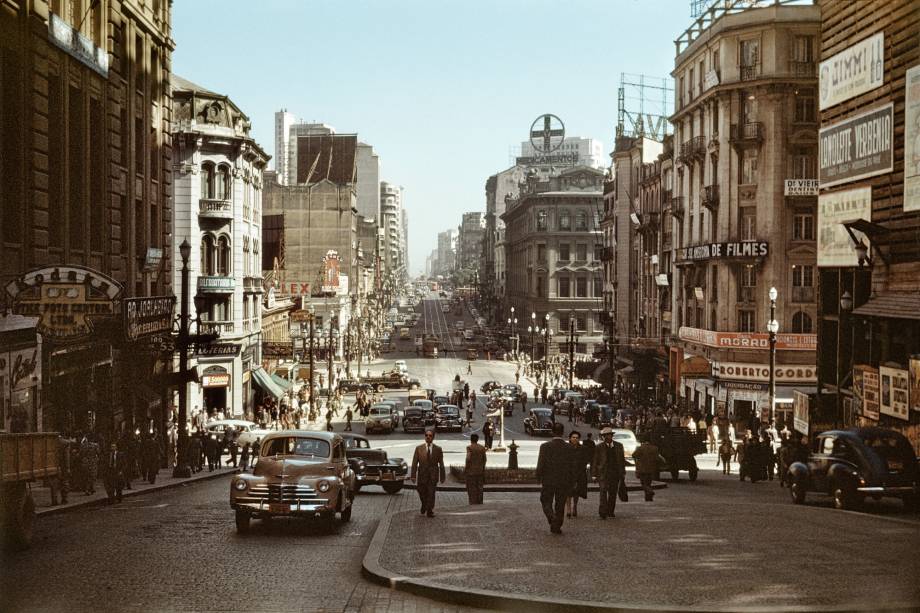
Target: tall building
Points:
(217, 201)
(470, 235)
(394, 222)
(86, 191)
(368, 182)
(742, 208)
(283, 123)
(499, 188)
(553, 245)
(446, 251)
(868, 222)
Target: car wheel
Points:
(242, 522)
(345, 514)
(381, 388)
(797, 490)
(392, 488)
(844, 498)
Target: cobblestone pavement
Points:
(715, 544)
(177, 550)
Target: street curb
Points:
(71, 506)
(374, 572)
(526, 488)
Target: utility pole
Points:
(330, 352)
(312, 389)
(571, 348)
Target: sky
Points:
(441, 88)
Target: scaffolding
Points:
(654, 97)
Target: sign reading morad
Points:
(718, 251)
(858, 147)
(853, 71)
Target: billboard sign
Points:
(912, 140)
(800, 407)
(894, 392)
(856, 148)
(854, 71)
(835, 247)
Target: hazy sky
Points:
(441, 88)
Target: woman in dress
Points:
(580, 489)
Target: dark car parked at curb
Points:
(539, 422)
(850, 465)
(373, 466)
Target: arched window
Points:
(223, 256)
(246, 260)
(223, 183)
(801, 323)
(207, 180)
(207, 255)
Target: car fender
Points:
(799, 470)
(841, 473)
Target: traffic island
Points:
(652, 556)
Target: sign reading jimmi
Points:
(719, 251)
(853, 71)
(857, 147)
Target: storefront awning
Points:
(265, 381)
(281, 382)
(784, 393)
(891, 304)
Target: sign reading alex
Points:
(331, 272)
(148, 316)
(66, 299)
(856, 148)
(723, 251)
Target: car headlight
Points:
(403, 465)
(323, 486)
(240, 485)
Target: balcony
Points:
(749, 73)
(252, 284)
(803, 294)
(803, 69)
(746, 294)
(710, 197)
(217, 327)
(677, 207)
(214, 284)
(747, 133)
(692, 149)
(211, 208)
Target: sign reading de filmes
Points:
(854, 71)
(858, 147)
(835, 247)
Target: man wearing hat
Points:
(609, 470)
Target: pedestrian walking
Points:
(244, 456)
(475, 470)
(151, 457)
(328, 420)
(113, 476)
(348, 416)
(609, 468)
(89, 464)
(580, 487)
(555, 471)
(469, 367)
(726, 451)
(645, 457)
(488, 431)
(524, 401)
(427, 472)
(212, 451)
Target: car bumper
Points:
(263, 508)
(889, 491)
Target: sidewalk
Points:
(77, 499)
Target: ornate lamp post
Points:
(571, 348)
(772, 328)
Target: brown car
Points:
(299, 473)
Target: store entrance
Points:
(215, 400)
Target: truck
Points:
(24, 458)
(387, 380)
(430, 346)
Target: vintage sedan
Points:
(418, 417)
(539, 422)
(850, 465)
(488, 386)
(299, 473)
(380, 419)
(374, 466)
(447, 417)
(513, 390)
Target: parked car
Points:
(249, 432)
(379, 419)
(447, 417)
(374, 467)
(852, 464)
(299, 473)
(418, 417)
(627, 438)
(539, 422)
(349, 385)
(488, 386)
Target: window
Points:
(716, 61)
(564, 290)
(565, 220)
(749, 159)
(139, 145)
(224, 185)
(804, 163)
(748, 223)
(207, 180)
(564, 254)
(581, 221)
(97, 152)
(805, 106)
(750, 53)
(139, 63)
(598, 286)
(801, 323)
(746, 320)
(56, 197)
(803, 227)
(714, 284)
(581, 287)
(581, 252)
(247, 264)
(690, 78)
(77, 171)
(207, 255)
(748, 276)
(748, 107)
(803, 275)
(223, 256)
(581, 323)
(541, 220)
(540, 286)
(803, 49)
(598, 252)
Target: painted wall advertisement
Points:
(912, 141)
(856, 148)
(853, 71)
(835, 247)
(914, 395)
(894, 392)
(866, 390)
(800, 411)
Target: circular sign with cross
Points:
(547, 133)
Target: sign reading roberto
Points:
(148, 316)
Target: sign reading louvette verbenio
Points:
(835, 247)
(857, 147)
(853, 71)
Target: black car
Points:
(488, 386)
(513, 390)
(417, 418)
(372, 466)
(439, 400)
(349, 385)
(852, 464)
(539, 422)
(447, 417)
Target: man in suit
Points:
(113, 476)
(427, 471)
(609, 468)
(556, 473)
(475, 470)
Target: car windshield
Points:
(622, 436)
(357, 443)
(299, 446)
(448, 410)
(380, 410)
(422, 404)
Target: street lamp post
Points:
(310, 317)
(571, 348)
(846, 305)
(182, 468)
(533, 324)
(772, 328)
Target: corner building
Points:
(742, 208)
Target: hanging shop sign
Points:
(748, 340)
(914, 372)
(853, 71)
(835, 247)
(148, 316)
(800, 406)
(800, 187)
(215, 376)
(215, 350)
(912, 140)
(856, 148)
(331, 272)
(65, 299)
(893, 400)
(724, 251)
(793, 373)
(81, 48)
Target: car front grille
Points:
(284, 493)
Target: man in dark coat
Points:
(427, 471)
(556, 473)
(475, 470)
(151, 457)
(113, 473)
(609, 469)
